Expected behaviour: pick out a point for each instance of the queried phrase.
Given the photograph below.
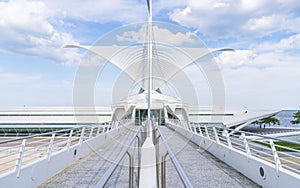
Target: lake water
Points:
(285, 117)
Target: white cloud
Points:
(26, 16)
(283, 45)
(237, 58)
(290, 43)
(264, 54)
(264, 23)
(257, 59)
(28, 27)
(268, 82)
(52, 48)
(231, 18)
(221, 5)
(35, 27)
(264, 73)
(161, 35)
(251, 5)
(102, 11)
(264, 76)
(129, 11)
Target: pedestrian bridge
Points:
(177, 154)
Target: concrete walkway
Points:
(202, 168)
(88, 170)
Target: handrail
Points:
(50, 133)
(185, 180)
(103, 124)
(40, 134)
(107, 175)
(262, 148)
(239, 131)
(46, 144)
(265, 136)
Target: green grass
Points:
(281, 143)
(286, 144)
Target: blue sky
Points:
(263, 73)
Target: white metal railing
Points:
(18, 152)
(281, 153)
(157, 135)
(116, 163)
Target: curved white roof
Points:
(167, 60)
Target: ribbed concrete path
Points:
(202, 168)
(87, 171)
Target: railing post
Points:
(157, 157)
(183, 125)
(139, 157)
(69, 139)
(188, 125)
(91, 133)
(228, 138)
(110, 125)
(131, 168)
(216, 135)
(82, 135)
(200, 132)
(275, 155)
(20, 158)
(154, 135)
(206, 131)
(50, 146)
(108, 174)
(98, 130)
(163, 171)
(105, 128)
(247, 148)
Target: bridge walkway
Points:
(202, 168)
(87, 171)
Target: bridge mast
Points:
(149, 55)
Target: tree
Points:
(268, 120)
(257, 122)
(297, 118)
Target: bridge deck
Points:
(88, 170)
(202, 168)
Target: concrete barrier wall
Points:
(36, 173)
(250, 166)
